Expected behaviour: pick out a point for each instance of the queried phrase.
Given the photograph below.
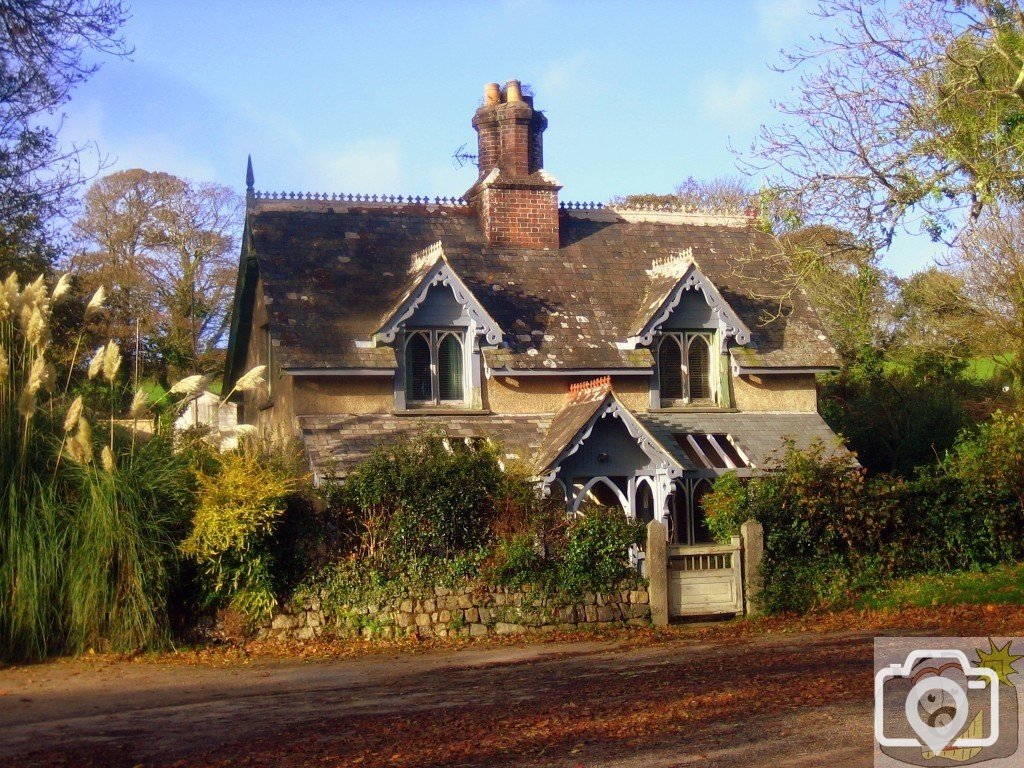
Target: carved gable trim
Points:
(612, 407)
(442, 274)
(692, 279)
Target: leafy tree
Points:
(166, 248)
(845, 285)
(43, 48)
(933, 316)
(118, 234)
(904, 107)
(199, 230)
(899, 417)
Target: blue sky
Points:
(376, 96)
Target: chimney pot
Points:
(513, 92)
(492, 94)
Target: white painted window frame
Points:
(684, 339)
(435, 337)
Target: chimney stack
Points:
(517, 202)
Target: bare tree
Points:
(908, 114)
(43, 45)
(724, 194)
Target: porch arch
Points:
(645, 500)
(601, 479)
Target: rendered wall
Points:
(546, 394)
(269, 406)
(777, 392)
(326, 395)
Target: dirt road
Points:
(800, 700)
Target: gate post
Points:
(657, 571)
(752, 534)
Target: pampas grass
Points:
(86, 546)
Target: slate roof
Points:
(335, 444)
(331, 270)
(759, 435)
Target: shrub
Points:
(238, 510)
(422, 498)
(517, 561)
(123, 548)
(726, 507)
(596, 547)
(88, 528)
(831, 533)
(901, 416)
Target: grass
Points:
(986, 368)
(999, 586)
(981, 368)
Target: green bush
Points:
(898, 416)
(516, 561)
(726, 509)
(596, 547)
(831, 533)
(421, 498)
(123, 558)
(89, 525)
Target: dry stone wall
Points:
(472, 611)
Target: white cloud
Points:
(738, 103)
(161, 153)
(365, 165)
(782, 21)
(565, 76)
(87, 126)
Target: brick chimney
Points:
(516, 201)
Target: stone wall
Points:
(473, 611)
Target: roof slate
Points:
(335, 444)
(583, 402)
(330, 271)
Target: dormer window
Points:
(685, 373)
(434, 369)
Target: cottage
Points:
(622, 355)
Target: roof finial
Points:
(250, 180)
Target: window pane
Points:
(449, 368)
(417, 369)
(699, 366)
(670, 369)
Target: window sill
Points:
(693, 409)
(429, 410)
